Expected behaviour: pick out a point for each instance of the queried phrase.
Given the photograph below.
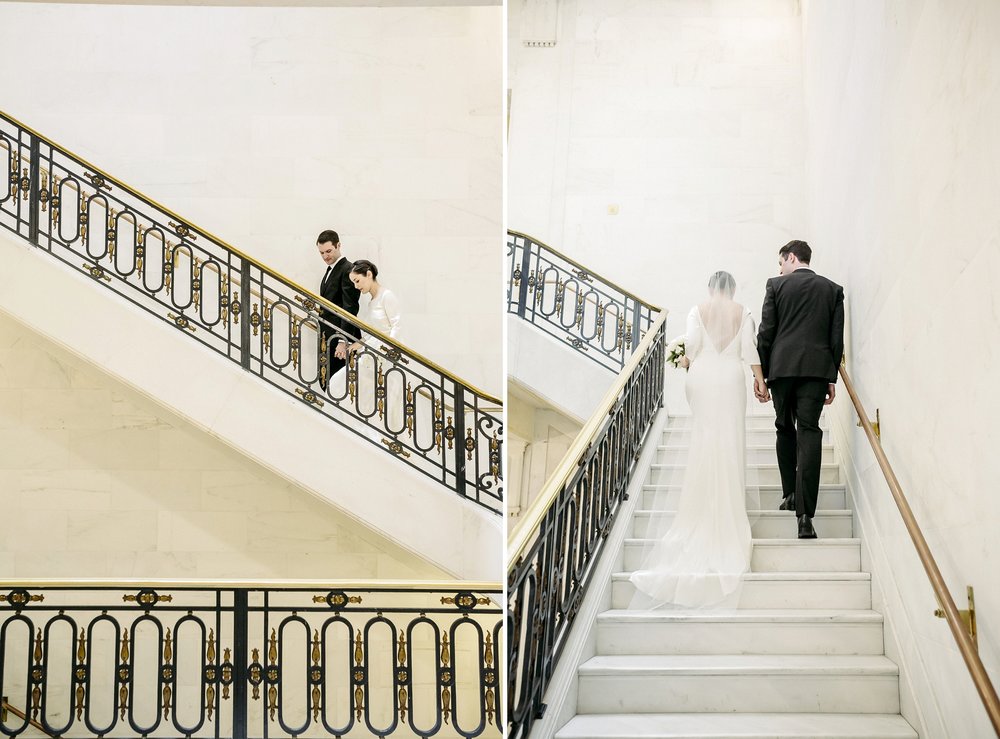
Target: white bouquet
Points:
(675, 350)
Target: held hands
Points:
(342, 349)
(760, 390)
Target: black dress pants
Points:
(798, 402)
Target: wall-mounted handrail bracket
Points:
(876, 424)
(968, 616)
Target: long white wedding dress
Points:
(382, 313)
(700, 559)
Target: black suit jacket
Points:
(801, 327)
(339, 290)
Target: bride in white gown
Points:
(383, 313)
(701, 558)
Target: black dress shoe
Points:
(806, 530)
(787, 504)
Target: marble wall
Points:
(538, 437)
(660, 140)
(268, 125)
(903, 100)
(97, 480)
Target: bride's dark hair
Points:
(363, 267)
(722, 282)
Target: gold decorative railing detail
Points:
(160, 660)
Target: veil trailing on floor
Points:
(696, 537)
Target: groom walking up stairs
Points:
(800, 656)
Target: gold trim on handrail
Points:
(262, 267)
(7, 706)
(589, 271)
(527, 527)
(415, 585)
(987, 692)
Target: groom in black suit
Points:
(800, 343)
(336, 287)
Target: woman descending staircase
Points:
(801, 656)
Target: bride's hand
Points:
(760, 390)
(684, 362)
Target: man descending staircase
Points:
(801, 656)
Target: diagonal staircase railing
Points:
(960, 628)
(248, 660)
(412, 408)
(553, 552)
(573, 304)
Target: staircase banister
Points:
(251, 584)
(522, 536)
(977, 671)
(589, 271)
(306, 293)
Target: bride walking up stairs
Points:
(801, 655)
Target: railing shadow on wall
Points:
(573, 304)
(552, 553)
(250, 660)
(392, 396)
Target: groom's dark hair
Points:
(800, 249)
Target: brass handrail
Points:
(980, 678)
(7, 706)
(589, 271)
(429, 585)
(523, 535)
(319, 300)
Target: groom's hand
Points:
(831, 393)
(760, 391)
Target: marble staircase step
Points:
(780, 555)
(765, 683)
(764, 524)
(666, 497)
(771, 590)
(754, 437)
(677, 453)
(737, 726)
(773, 631)
(757, 474)
(754, 422)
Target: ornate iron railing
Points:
(553, 552)
(389, 394)
(251, 660)
(573, 304)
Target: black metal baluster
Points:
(245, 314)
(241, 627)
(522, 294)
(460, 439)
(34, 202)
